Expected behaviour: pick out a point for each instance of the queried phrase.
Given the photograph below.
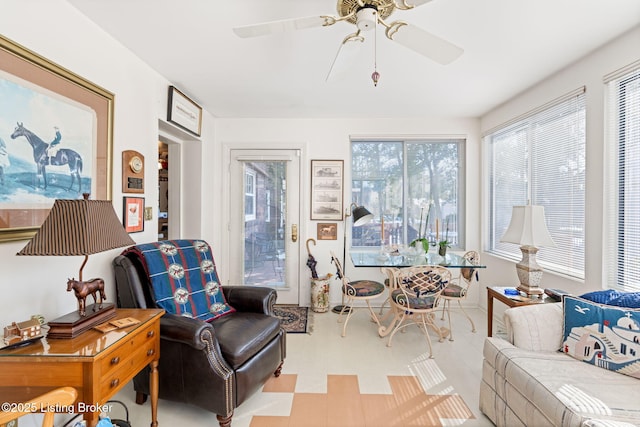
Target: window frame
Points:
(526, 127)
(620, 272)
(460, 188)
(250, 175)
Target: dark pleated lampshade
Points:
(78, 227)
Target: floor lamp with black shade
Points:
(361, 216)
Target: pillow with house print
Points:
(602, 335)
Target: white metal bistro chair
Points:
(414, 298)
(458, 288)
(359, 290)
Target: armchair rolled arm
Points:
(184, 330)
(253, 299)
(536, 327)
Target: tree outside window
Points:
(403, 181)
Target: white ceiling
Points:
(509, 45)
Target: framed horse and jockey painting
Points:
(56, 135)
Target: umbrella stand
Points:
(319, 286)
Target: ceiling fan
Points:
(366, 15)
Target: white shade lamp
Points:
(528, 229)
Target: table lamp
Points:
(361, 216)
(80, 227)
(528, 229)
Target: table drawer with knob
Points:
(122, 368)
(120, 355)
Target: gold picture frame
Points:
(39, 97)
(327, 231)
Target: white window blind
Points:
(624, 182)
(540, 158)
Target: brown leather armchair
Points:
(217, 365)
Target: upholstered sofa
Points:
(528, 381)
(215, 364)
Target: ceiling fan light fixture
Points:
(366, 18)
(367, 15)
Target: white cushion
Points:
(536, 327)
(550, 387)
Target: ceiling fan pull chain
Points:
(375, 76)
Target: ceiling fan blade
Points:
(346, 52)
(409, 4)
(424, 42)
(282, 26)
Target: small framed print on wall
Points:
(133, 214)
(326, 189)
(327, 231)
(183, 112)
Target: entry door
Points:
(264, 213)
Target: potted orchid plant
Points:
(444, 244)
(421, 240)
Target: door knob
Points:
(294, 233)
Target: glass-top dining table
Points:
(403, 258)
(369, 258)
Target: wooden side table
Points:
(96, 364)
(497, 292)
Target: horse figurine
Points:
(84, 289)
(64, 156)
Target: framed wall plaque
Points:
(183, 112)
(132, 172)
(326, 189)
(133, 215)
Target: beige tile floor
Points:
(356, 381)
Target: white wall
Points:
(588, 72)
(58, 32)
(329, 139)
